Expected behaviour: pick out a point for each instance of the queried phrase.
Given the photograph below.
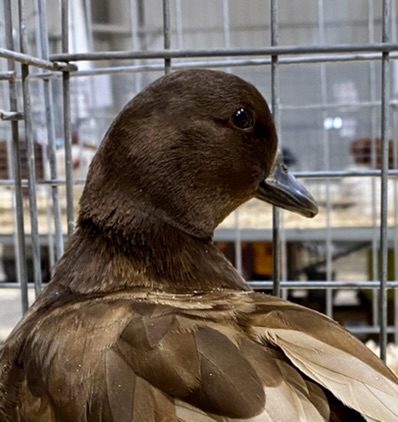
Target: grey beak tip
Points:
(312, 212)
(285, 191)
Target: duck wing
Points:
(327, 354)
(203, 359)
(153, 358)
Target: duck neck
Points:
(146, 253)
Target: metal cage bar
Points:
(276, 223)
(20, 250)
(385, 81)
(30, 151)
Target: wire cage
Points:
(328, 69)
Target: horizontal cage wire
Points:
(329, 72)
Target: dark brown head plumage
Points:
(176, 151)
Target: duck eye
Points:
(242, 118)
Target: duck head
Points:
(188, 150)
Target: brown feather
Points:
(236, 368)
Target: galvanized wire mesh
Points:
(329, 71)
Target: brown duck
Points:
(145, 320)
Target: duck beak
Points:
(283, 190)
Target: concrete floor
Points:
(11, 309)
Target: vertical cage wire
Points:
(135, 39)
(375, 232)
(49, 112)
(385, 97)
(166, 34)
(325, 141)
(66, 94)
(180, 37)
(395, 193)
(27, 109)
(20, 249)
(276, 223)
(395, 229)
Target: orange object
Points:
(262, 258)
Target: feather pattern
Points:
(354, 382)
(160, 361)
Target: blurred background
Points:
(327, 91)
